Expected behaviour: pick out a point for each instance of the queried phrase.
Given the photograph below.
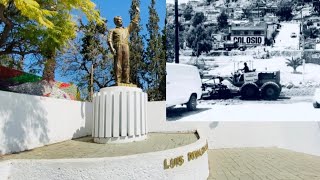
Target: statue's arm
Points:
(135, 20)
(110, 42)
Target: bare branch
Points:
(8, 25)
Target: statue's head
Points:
(118, 21)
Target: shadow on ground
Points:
(178, 113)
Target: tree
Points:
(222, 20)
(309, 23)
(89, 49)
(200, 40)
(44, 31)
(312, 32)
(170, 34)
(294, 63)
(136, 49)
(155, 57)
(198, 19)
(11, 62)
(162, 83)
(285, 10)
(187, 13)
(316, 6)
(210, 1)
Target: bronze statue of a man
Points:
(118, 41)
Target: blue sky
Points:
(111, 8)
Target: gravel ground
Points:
(287, 96)
(303, 91)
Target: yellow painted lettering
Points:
(165, 164)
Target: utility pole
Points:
(258, 10)
(302, 43)
(176, 47)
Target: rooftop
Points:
(249, 26)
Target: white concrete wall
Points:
(140, 166)
(29, 121)
(5, 170)
(303, 136)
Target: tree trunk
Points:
(49, 68)
(294, 70)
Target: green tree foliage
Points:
(294, 63)
(222, 20)
(285, 10)
(40, 27)
(155, 57)
(162, 83)
(198, 19)
(136, 49)
(170, 34)
(187, 13)
(88, 49)
(11, 62)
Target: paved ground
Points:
(219, 110)
(85, 148)
(262, 163)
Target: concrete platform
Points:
(86, 148)
(262, 163)
(180, 155)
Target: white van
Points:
(316, 98)
(183, 85)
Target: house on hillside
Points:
(313, 20)
(271, 18)
(249, 34)
(193, 3)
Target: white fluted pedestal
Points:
(119, 115)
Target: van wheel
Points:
(192, 103)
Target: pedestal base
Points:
(126, 85)
(119, 115)
(125, 139)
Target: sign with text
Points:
(250, 40)
(250, 77)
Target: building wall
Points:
(249, 40)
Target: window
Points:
(245, 32)
(257, 32)
(236, 32)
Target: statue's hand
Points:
(137, 9)
(113, 51)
